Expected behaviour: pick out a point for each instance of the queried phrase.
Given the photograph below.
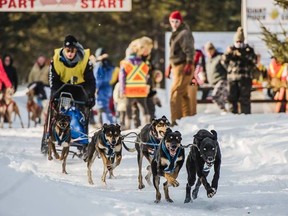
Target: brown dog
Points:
(60, 135)
(148, 140)
(167, 163)
(8, 107)
(107, 144)
(33, 109)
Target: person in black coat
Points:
(10, 70)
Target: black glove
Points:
(90, 103)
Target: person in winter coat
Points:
(277, 73)
(197, 80)
(181, 64)
(133, 77)
(39, 71)
(72, 62)
(120, 104)
(240, 62)
(4, 80)
(10, 70)
(216, 76)
(106, 75)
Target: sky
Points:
(253, 178)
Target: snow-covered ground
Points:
(253, 180)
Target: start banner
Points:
(65, 5)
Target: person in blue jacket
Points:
(106, 75)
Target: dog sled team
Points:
(74, 78)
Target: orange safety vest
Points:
(275, 70)
(136, 79)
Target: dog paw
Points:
(211, 192)
(188, 200)
(157, 201)
(141, 186)
(169, 200)
(50, 158)
(175, 183)
(195, 194)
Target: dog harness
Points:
(154, 143)
(109, 151)
(172, 160)
(59, 140)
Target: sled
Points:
(69, 100)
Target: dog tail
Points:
(128, 149)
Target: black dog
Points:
(107, 144)
(60, 135)
(204, 153)
(167, 163)
(147, 142)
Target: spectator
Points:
(216, 76)
(181, 65)
(240, 61)
(152, 98)
(277, 76)
(4, 80)
(10, 70)
(120, 104)
(104, 72)
(39, 71)
(133, 77)
(198, 80)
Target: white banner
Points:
(265, 11)
(65, 5)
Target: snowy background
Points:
(253, 180)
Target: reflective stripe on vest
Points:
(274, 73)
(66, 73)
(136, 83)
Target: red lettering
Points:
(84, 3)
(102, 4)
(112, 3)
(32, 3)
(93, 3)
(121, 3)
(12, 4)
(3, 2)
(22, 3)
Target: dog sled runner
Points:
(70, 100)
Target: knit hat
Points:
(176, 15)
(239, 35)
(209, 46)
(70, 41)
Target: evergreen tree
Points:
(277, 47)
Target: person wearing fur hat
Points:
(181, 65)
(133, 78)
(240, 62)
(72, 60)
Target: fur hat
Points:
(239, 35)
(176, 15)
(70, 41)
(209, 46)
